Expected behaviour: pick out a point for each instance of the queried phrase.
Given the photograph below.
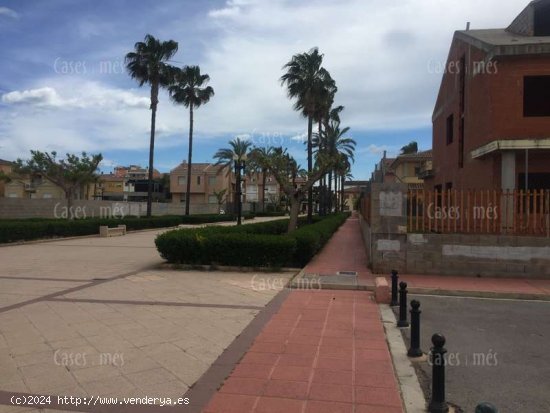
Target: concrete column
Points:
(508, 183)
(508, 170)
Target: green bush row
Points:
(24, 230)
(263, 244)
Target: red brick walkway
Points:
(324, 351)
(344, 252)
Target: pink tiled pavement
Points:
(323, 351)
(493, 285)
(344, 252)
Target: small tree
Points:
(220, 198)
(290, 176)
(69, 173)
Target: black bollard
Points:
(402, 305)
(486, 408)
(414, 349)
(438, 403)
(394, 279)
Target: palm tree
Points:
(343, 169)
(148, 64)
(336, 145)
(187, 90)
(411, 147)
(307, 82)
(237, 152)
(258, 163)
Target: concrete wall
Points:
(389, 246)
(385, 238)
(57, 208)
(478, 255)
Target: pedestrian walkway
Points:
(344, 252)
(323, 351)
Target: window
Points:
(46, 195)
(182, 180)
(461, 144)
(198, 180)
(12, 195)
(542, 20)
(450, 129)
(416, 170)
(212, 199)
(448, 186)
(536, 96)
(211, 181)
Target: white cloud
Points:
(380, 54)
(87, 95)
(4, 11)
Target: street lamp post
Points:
(240, 162)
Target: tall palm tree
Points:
(148, 64)
(259, 163)
(307, 81)
(336, 144)
(343, 169)
(238, 151)
(187, 90)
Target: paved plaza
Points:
(97, 317)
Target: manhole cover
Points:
(350, 273)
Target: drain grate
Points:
(350, 273)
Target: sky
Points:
(64, 87)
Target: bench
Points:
(105, 231)
(382, 293)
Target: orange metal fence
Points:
(479, 211)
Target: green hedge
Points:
(24, 230)
(263, 244)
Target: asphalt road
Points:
(498, 351)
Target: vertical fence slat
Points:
(423, 210)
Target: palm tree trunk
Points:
(343, 193)
(264, 178)
(309, 168)
(154, 102)
(336, 180)
(189, 159)
(330, 192)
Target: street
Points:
(497, 351)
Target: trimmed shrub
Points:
(263, 244)
(24, 230)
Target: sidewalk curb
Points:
(411, 392)
(479, 294)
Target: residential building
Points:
(206, 180)
(491, 121)
(382, 170)
(5, 170)
(135, 172)
(121, 187)
(407, 168)
(253, 189)
(35, 187)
